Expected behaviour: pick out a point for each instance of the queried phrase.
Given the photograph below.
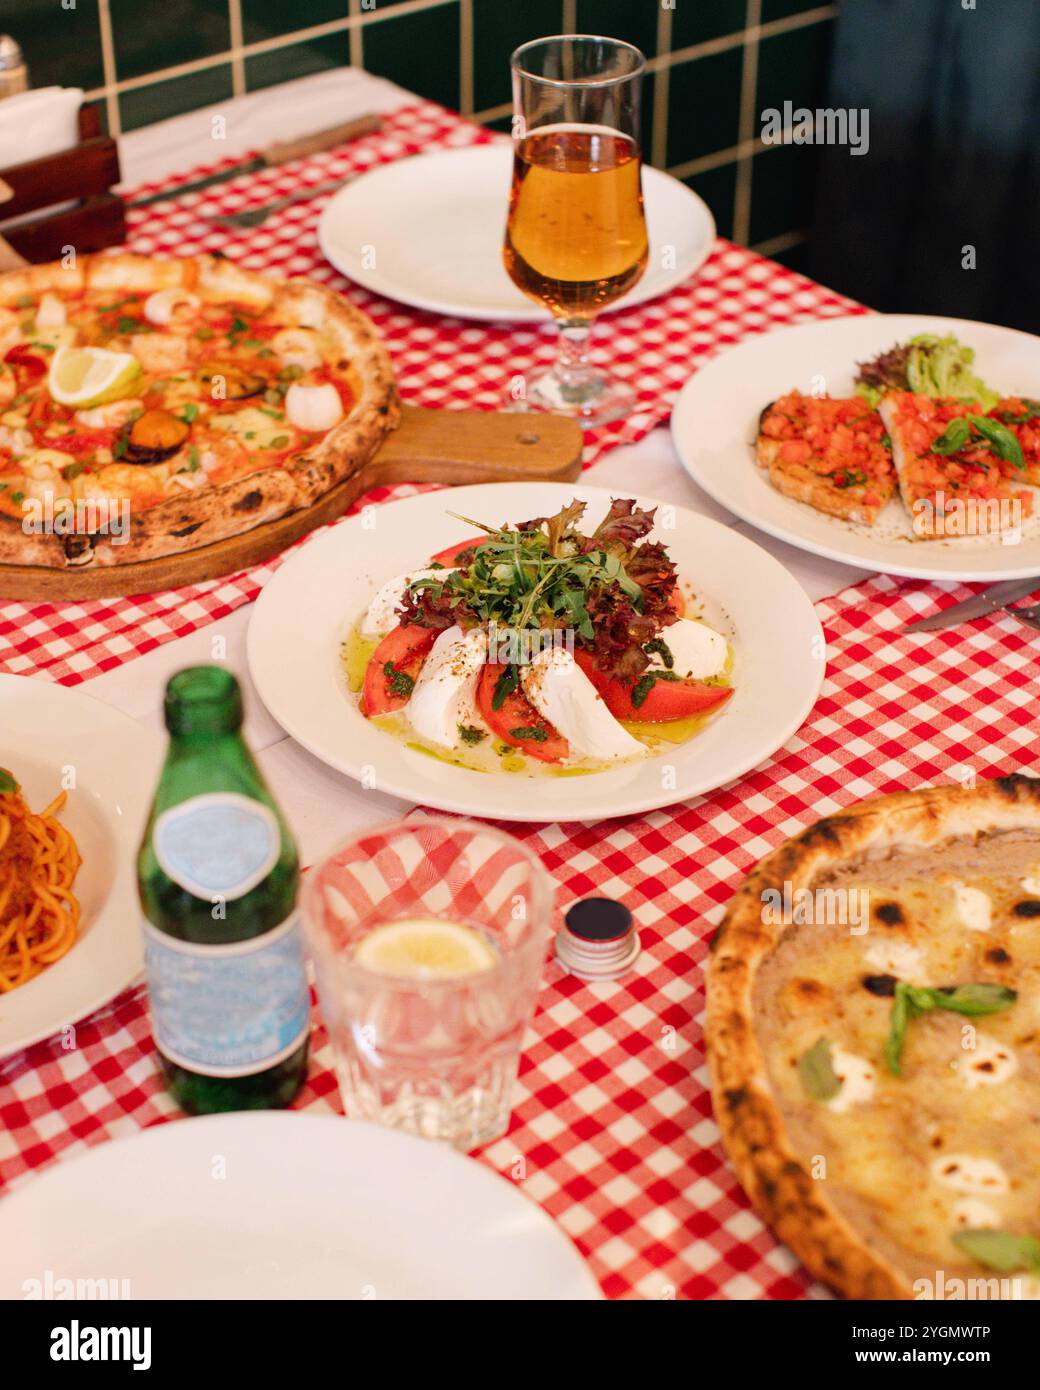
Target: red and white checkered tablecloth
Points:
(440, 362)
(612, 1131)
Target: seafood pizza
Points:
(150, 407)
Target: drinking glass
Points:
(576, 236)
(435, 1056)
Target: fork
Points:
(256, 217)
(1030, 615)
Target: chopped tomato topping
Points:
(840, 439)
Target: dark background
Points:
(953, 96)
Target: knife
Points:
(976, 607)
(273, 155)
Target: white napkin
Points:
(38, 122)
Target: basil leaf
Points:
(975, 1000)
(8, 785)
(816, 1068)
(953, 438)
(1000, 1250)
(1004, 442)
(902, 1012)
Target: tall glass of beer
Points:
(576, 235)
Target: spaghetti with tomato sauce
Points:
(39, 912)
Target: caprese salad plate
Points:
(899, 443)
(536, 652)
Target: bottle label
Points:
(219, 845)
(229, 1010)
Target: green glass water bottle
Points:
(218, 875)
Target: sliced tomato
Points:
(515, 713)
(450, 556)
(405, 649)
(664, 701)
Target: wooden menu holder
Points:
(85, 173)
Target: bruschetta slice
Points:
(832, 454)
(955, 473)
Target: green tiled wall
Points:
(143, 63)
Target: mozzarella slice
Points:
(857, 1081)
(974, 907)
(382, 611)
(989, 1063)
(313, 408)
(972, 1214)
(698, 651)
(970, 1173)
(562, 693)
(446, 690)
(897, 958)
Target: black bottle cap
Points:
(598, 919)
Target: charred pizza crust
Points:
(212, 514)
(774, 1175)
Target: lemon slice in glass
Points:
(87, 376)
(426, 948)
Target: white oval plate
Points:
(428, 231)
(287, 1206)
(715, 421)
(47, 731)
(309, 606)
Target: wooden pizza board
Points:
(429, 446)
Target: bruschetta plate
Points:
(536, 652)
(766, 429)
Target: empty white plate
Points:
(428, 231)
(283, 1205)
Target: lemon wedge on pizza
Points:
(426, 948)
(88, 376)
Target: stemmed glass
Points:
(576, 235)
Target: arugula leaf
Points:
(8, 785)
(816, 1068)
(911, 1001)
(1000, 1250)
